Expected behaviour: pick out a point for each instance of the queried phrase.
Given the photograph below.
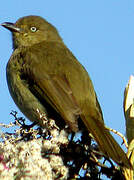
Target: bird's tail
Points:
(105, 140)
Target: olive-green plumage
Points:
(43, 73)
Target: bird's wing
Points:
(60, 96)
(53, 84)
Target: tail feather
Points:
(106, 142)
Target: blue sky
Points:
(99, 33)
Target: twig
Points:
(119, 134)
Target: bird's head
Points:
(31, 30)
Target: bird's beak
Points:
(11, 27)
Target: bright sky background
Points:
(99, 33)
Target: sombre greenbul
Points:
(43, 74)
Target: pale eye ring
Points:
(33, 29)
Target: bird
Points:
(42, 73)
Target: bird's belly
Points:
(24, 98)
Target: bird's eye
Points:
(33, 29)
